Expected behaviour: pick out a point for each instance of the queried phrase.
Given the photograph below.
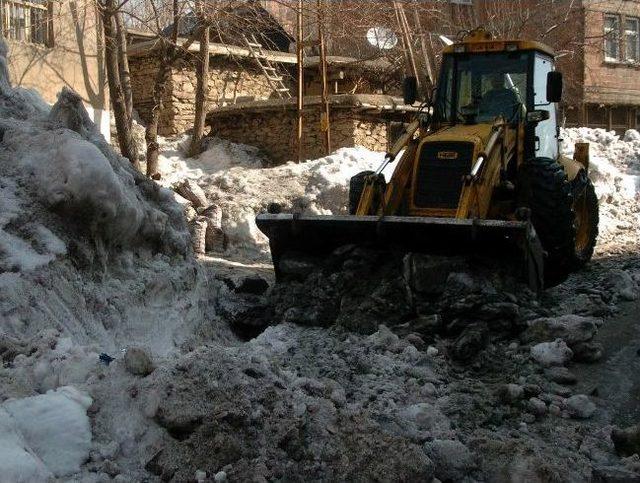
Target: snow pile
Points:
(234, 177)
(94, 258)
(44, 436)
(615, 172)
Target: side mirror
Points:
(554, 86)
(410, 90)
(537, 116)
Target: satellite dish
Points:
(382, 38)
(446, 40)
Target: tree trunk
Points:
(118, 103)
(202, 91)
(123, 64)
(151, 133)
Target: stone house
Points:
(57, 44)
(235, 76)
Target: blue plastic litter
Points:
(106, 359)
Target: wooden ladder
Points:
(276, 81)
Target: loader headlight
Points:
(511, 47)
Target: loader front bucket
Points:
(320, 235)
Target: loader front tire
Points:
(587, 217)
(545, 190)
(356, 186)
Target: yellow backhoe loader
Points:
(479, 173)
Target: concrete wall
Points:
(230, 81)
(74, 60)
(275, 131)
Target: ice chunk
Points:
(48, 433)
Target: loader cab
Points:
(483, 80)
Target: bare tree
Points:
(202, 82)
(167, 56)
(113, 48)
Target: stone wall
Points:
(230, 81)
(274, 131)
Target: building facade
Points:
(57, 44)
(610, 90)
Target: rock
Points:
(561, 375)
(626, 441)
(622, 284)
(498, 310)
(427, 325)
(200, 476)
(296, 267)
(138, 362)
(253, 285)
(552, 353)
(452, 460)
(615, 474)
(416, 341)
(190, 190)
(472, 340)
(555, 410)
(570, 328)
(220, 477)
(560, 391)
(588, 352)
(537, 407)
(532, 390)
(432, 351)
(427, 274)
(580, 407)
(511, 393)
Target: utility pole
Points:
(325, 122)
(300, 52)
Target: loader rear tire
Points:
(546, 191)
(356, 185)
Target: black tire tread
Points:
(546, 191)
(593, 210)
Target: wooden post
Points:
(411, 67)
(325, 123)
(300, 52)
(423, 47)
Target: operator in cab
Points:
(498, 101)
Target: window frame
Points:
(28, 32)
(632, 33)
(608, 32)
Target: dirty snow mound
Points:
(94, 258)
(615, 172)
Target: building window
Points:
(612, 37)
(27, 21)
(631, 39)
